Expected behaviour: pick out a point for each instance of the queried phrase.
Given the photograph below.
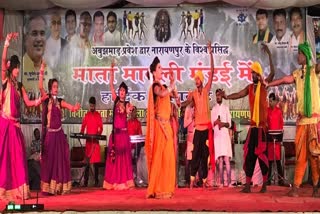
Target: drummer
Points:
(275, 122)
(134, 125)
(134, 128)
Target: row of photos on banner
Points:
(79, 46)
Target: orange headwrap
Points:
(199, 74)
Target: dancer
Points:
(203, 127)
(118, 172)
(143, 26)
(159, 136)
(201, 25)
(55, 159)
(13, 161)
(255, 146)
(306, 79)
(183, 25)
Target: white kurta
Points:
(222, 141)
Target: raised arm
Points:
(113, 92)
(271, 74)
(4, 59)
(70, 107)
(41, 74)
(244, 92)
(4, 54)
(29, 102)
(162, 92)
(209, 83)
(175, 95)
(289, 79)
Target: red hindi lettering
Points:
(175, 68)
(225, 73)
(244, 71)
(193, 70)
(79, 74)
(134, 74)
(101, 74)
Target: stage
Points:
(212, 199)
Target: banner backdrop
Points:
(78, 47)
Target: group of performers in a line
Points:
(209, 129)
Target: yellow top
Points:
(130, 17)
(195, 15)
(299, 79)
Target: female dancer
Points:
(159, 137)
(55, 162)
(13, 161)
(118, 172)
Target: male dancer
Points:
(200, 99)
(255, 146)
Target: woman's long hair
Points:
(14, 63)
(112, 152)
(44, 118)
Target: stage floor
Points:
(212, 199)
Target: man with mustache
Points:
(98, 28)
(297, 36)
(35, 43)
(263, 33)
(255, 146)
(280, 43)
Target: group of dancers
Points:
(160, 142)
